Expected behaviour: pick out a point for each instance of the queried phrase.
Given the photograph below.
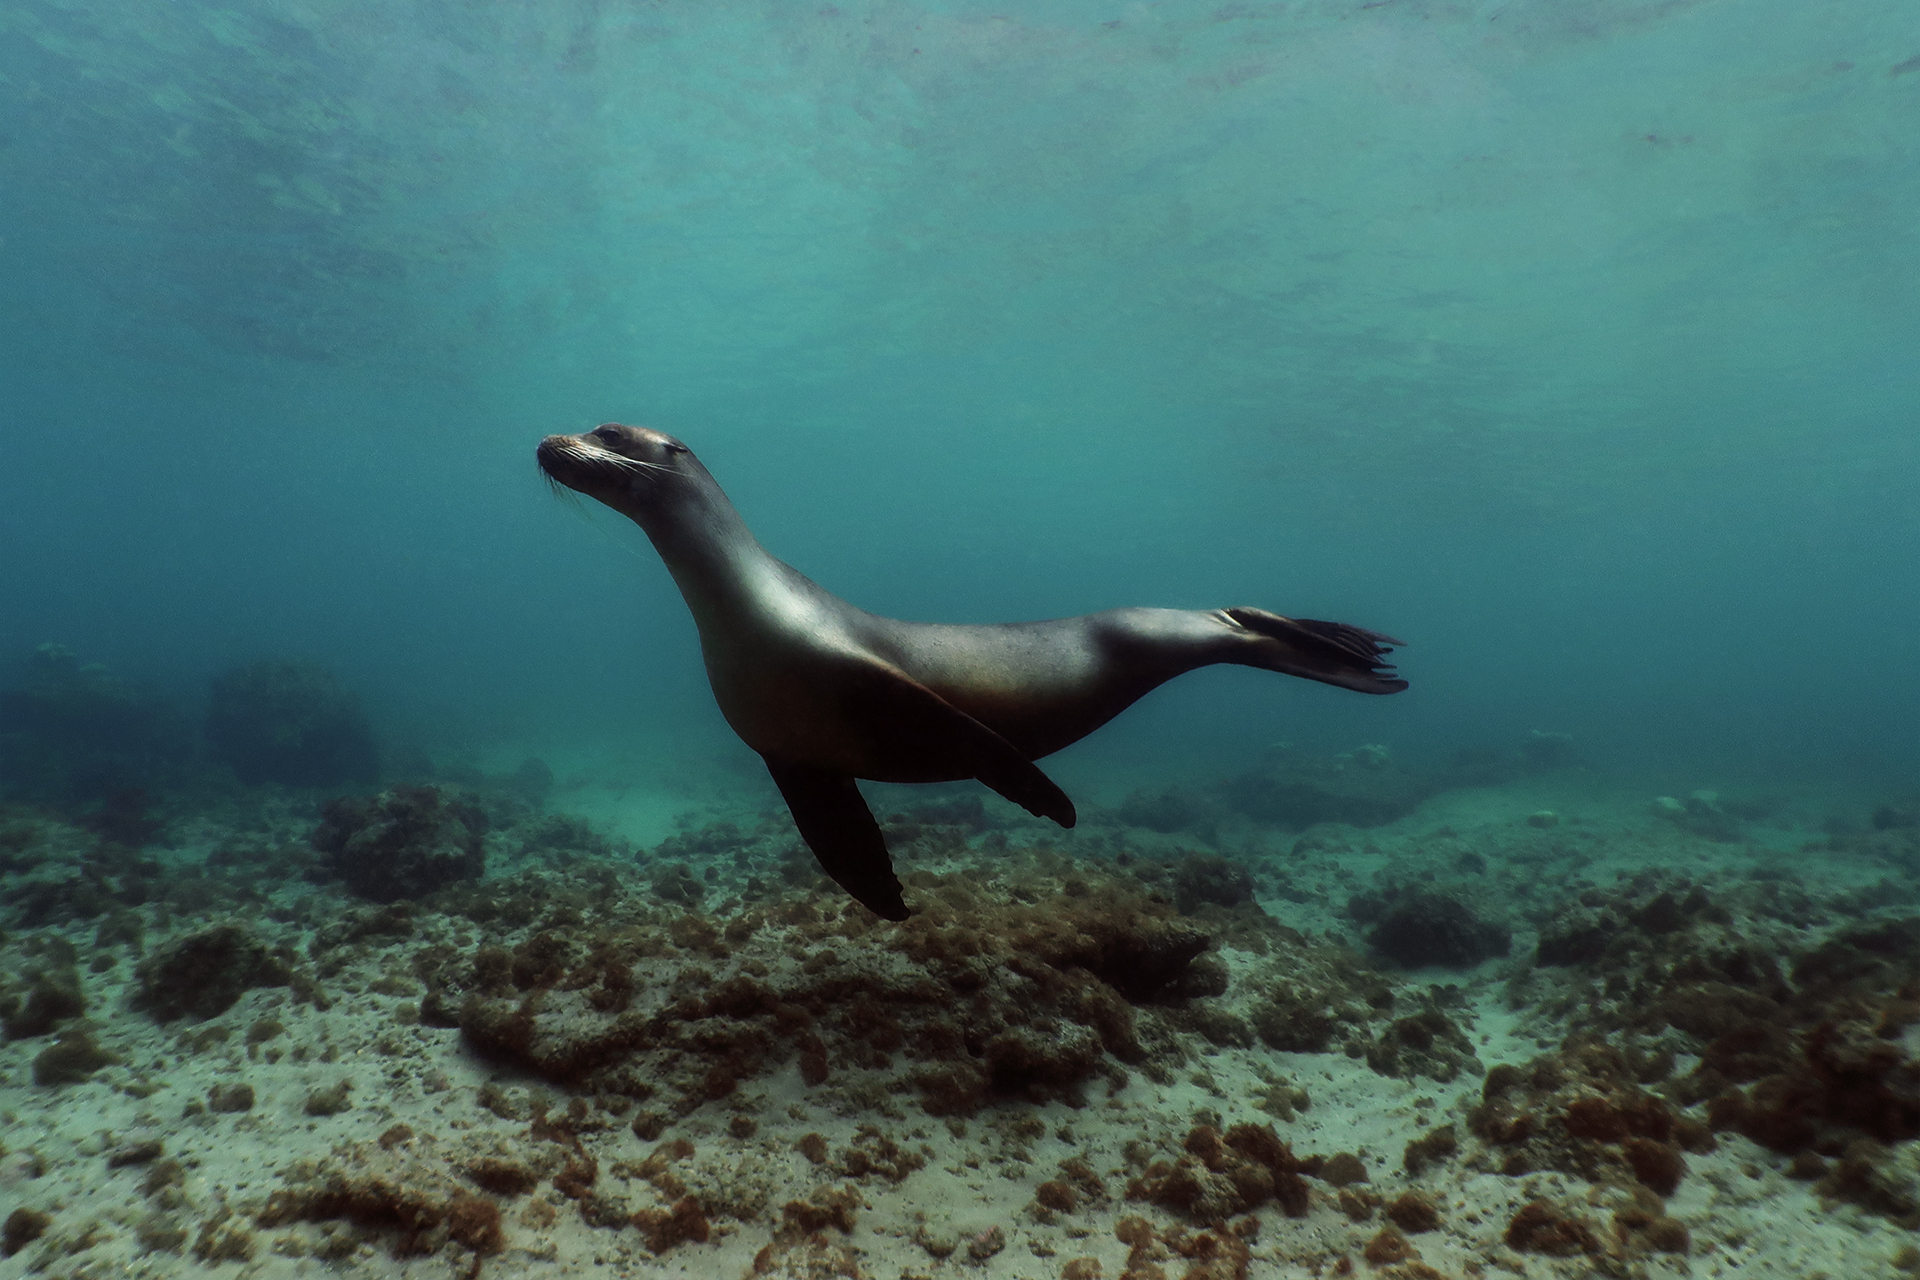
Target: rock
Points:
(1205, 877)
(986, 1243)
(403, 843)
(204, 974)
(230, 1097)
(988, 995)
(1169, 811)
(1295, 790)
(134, 1151)
(940, 1241)
(1431, 1147)
(502, 1175)
(1414, 1212)
(291, 723)
(53, 998)
(1225, 1174)
(1343, 1169)
(221, 1240)
(77, 733)
(23, 1227)
(1415, 928)
(1543, 1227)
(1702, 814)
(532, 781)
(1896, 817)
(161, 1233)
(70, 1059)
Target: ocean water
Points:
(1574, 342)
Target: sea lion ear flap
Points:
(837, 825)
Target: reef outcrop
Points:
(974, 999)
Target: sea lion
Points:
(828, 693)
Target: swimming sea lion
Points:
(828, 693)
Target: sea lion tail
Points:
(1331, 652)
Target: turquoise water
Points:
(1572, 343)
(364, 809)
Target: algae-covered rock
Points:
(984, 997)
(224, 1098)
(70, 1059)
(1415, 928)
(24, 1226)
(1203, 877)
(415, 1199)
(204, 974)
(403, 843)
(1236, 1172)
(51, 998)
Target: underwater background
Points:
(1575, 342)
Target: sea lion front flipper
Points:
(890, 696)
(837, 825)
(1028, 787)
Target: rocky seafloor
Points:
(1326, 1017)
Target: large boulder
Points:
(291, 723)
(1366, 788)
(72, 733)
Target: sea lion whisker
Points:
(622, 461)
(561, 491)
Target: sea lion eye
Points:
(608, 432)
(675, 447)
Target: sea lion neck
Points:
(719, 566)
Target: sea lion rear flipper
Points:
(837, 825)
(894, 697)
(1331, 652)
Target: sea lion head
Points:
(628, 468)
